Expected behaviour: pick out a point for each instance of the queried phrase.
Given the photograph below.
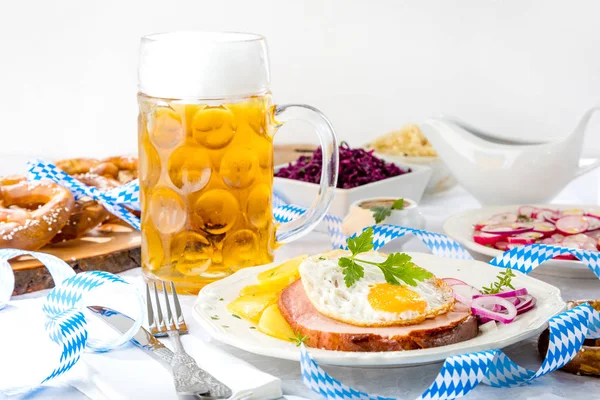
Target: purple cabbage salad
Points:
(358, 167)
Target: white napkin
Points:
(131, 373)
(124, 373)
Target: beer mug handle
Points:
(290, 231)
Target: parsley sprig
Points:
(298, 338)
(503, 280)
(382, 212)
(396, 267)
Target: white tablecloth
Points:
(409, 383)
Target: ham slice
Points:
(326, 333)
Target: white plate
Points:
(460, 228)
(237, 332)
(410, 185)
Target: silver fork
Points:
(190, 380)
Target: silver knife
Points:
(144, 340)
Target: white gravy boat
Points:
(508, 171)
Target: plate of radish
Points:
(492, 230)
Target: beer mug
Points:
(206, 126)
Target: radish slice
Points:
(572, 243)
(558, 237)
(525, 238)
(527, 211)
(465, 293)
(594, 222)
(586, 242)
(510, 293)
(502, 245)
(572, 224)
(565, 257)
(486, 239)
(453, 281)
(508, 229)
(575, 211)
(483, 307)
(504, 218)
(546, 228)
(547, 215)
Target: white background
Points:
(68, 67)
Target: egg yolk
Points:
(395, 299)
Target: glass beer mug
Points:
(206, 127)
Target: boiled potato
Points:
(283, 272)
(251, 306)
(273, 324)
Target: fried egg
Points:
(371, 301)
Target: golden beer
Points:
(206, 175)
(206, 125)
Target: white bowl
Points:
(410, 185)
(441, 178)
(359, 218)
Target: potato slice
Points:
(282, 272)
(251, 306)
(273, 324)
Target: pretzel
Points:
(87, 213)
(587, 360)
(123, 169)
(32, 213)
(76, 166)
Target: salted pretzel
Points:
(123, 169)
(12, 180)
(74, 166)
(31, 214)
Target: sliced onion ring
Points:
(510, 293)
(453, 281)
(483, 307)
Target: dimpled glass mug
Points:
(206, 127)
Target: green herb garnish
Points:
(252, 327)
(321, 258)
(236, 316)
(524, 218)
(397, 266)
(503, 280)
(221, 299)
(382, 212)
(298, 339)
(214, 317)
(225, 326)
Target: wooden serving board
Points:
(114, 249)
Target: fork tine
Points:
(170, 324)
(159, 316)
(150, 311)
(178, 314)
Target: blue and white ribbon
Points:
(114, 201)
(66, 324)
(459, 374)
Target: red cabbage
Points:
(357, 167)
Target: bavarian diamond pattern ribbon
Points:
(40, 170)
(459, 374)
(66, 324)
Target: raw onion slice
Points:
(572, 224)
(484, 306)
(486, 239)
(464, 293)
(453, 281)
(507, 294)
(523, 307)
(508, 229)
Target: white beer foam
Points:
(203, 65)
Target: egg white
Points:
(323, 282)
